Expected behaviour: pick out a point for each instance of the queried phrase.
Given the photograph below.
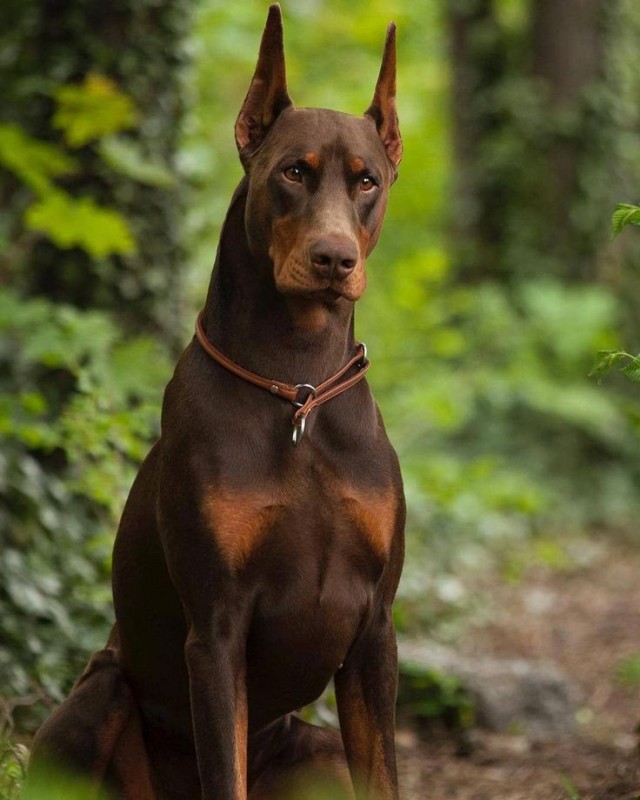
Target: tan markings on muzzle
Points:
(289, 252)
(285, 253)
(290, 255)
(364, 240)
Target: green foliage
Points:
(48, 783)
(13, 758)
(487, 400)
(610, 359)
(34, 162)
(539, 552)
(315, 784)
(628, 672)
(624, 215)
(126, 158)
(426, 694)
(78, 408)
(70, 222)
(99, 73)
(92, 110)
(89, 109)
(65, 220)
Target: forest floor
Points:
(586, 621)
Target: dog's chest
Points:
(309, 550)
(310, 553)
(315, 520)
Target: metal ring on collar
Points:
(312, 391)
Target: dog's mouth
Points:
(294, 276)
(328, 294)
(325, 292)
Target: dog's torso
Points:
(297, 539)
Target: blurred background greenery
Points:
(495, 283)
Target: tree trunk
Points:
(533, 126)
(477, 67)
(568, 47)
(137, 44)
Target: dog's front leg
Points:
(216, 613)
(219, 708)
(366, 693)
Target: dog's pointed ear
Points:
(267, 96)
(383, 107)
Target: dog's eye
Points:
(367, 183)
(293, 174)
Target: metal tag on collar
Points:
(299, 425)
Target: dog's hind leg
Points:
(308, 764)
(95, 736)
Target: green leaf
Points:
(31, 160)
(632, 370)
(138, 367)
(71, 222)
(624, 215)
(607, 360)
(92, 109)
(125, 157)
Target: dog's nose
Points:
(333, 256)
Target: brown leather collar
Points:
(305, 403)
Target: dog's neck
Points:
(292, 339)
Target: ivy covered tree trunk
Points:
(90, 216)
(137, 45)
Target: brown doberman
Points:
(247, 572)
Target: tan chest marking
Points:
(239, 521)
(374, 513)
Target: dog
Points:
(261, 546)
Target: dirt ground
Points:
(587, 622)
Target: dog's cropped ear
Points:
(383, 107)
(267, 95)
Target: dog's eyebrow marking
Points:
(357, 165)
(312, 160)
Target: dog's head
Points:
(318, 179)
